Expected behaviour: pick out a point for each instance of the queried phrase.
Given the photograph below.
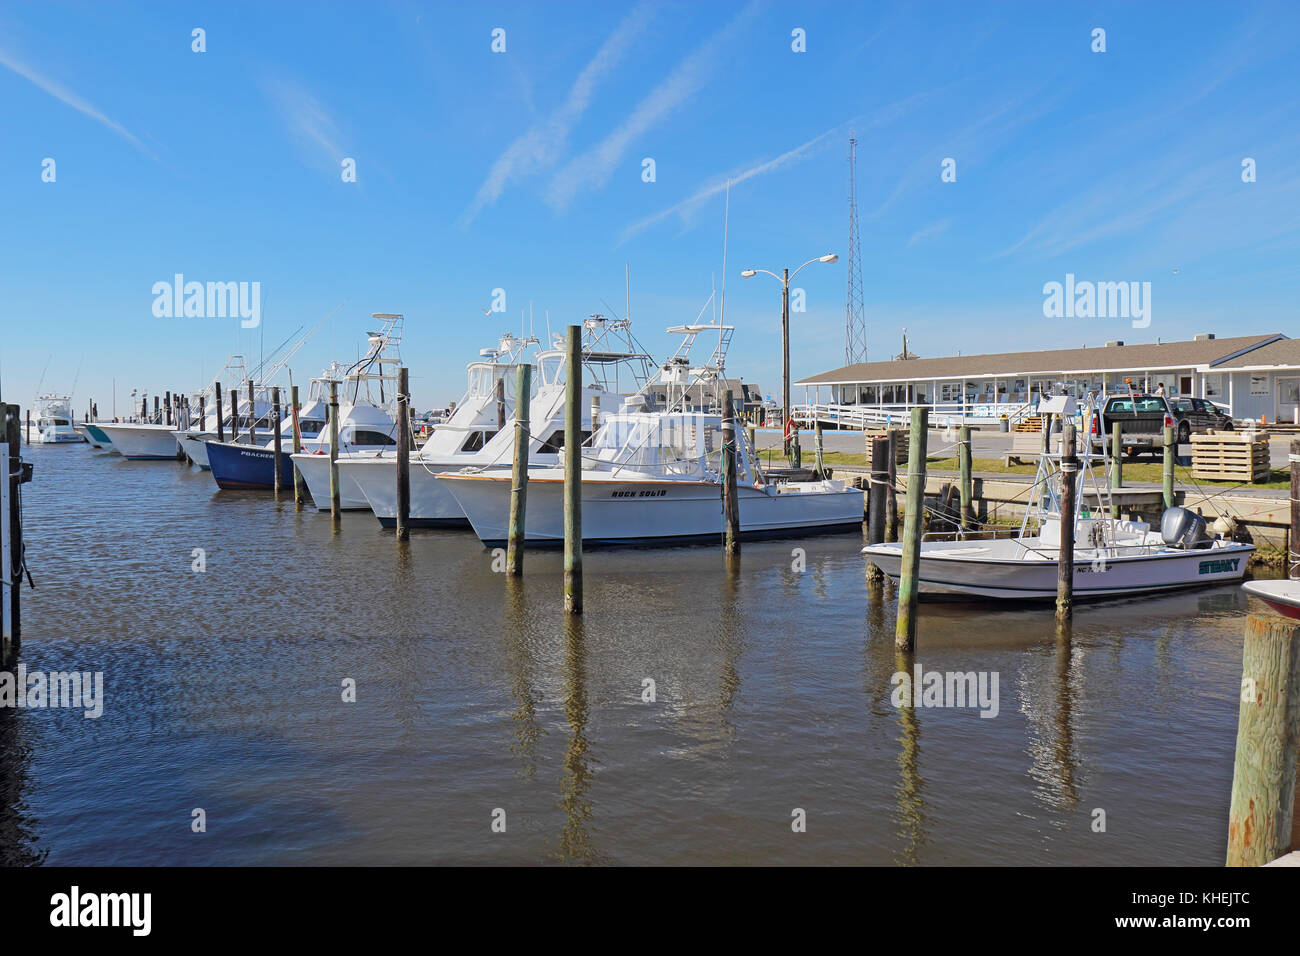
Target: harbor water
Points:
(477, 702)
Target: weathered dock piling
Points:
(277, 482)
(964, 467)
(221, 425)
(252, 415)
(1293, 534)
(874, 500)
(1169, 467)
(730, 498)
(336, 511)
(913, 525)
(573, 471)
(519, 476)
(234, 415)
(299, 483)
(891, 489)
(818, 450)
(29, 426)
(1069, 498)
(11, 630)
(1262, 811)
(404, 455)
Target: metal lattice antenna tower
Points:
(855, 321)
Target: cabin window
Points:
(310, 426)
(476, 441)
(363, 437)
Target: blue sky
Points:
(522, 170)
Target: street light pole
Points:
(784, 278)
(785, 357)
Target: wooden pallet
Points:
(1230, 456)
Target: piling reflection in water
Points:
(910, 817)
(518, 636)
(575, 839)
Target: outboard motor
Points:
(1181, 528)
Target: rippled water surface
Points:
(474, 694)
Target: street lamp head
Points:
(830, 258)
(748, 274)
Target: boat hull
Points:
(648, 512)
(59, 435)
(967, 570)
(247, 467)
(432, 503)
(142, 442)
(1282, 596)
(315, 471)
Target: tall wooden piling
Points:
(252, 415)
(519, 477)
(905, 632)
(234, 415)
(1169, 468)
(1293, 536)
(221, 425)
(1069, 499)
(501, 403)
(167, 407)
(29, 426)
(336, 511)
(1262, 811)
(818, 449)
(875, 500)
(203, 412)
(157, 414)
(964, 467)
(277, 480)
(13, 638)
(299, 483)
(403, 455)
(730, 496)
(573, 471)
(891, 489)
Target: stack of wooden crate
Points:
(1230, 456)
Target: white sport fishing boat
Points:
(1112, 557)
(480, 432)
(652, 473)
(141, 441)
(54, 424)
(367, 414)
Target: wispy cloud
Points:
(685, 208)
(594, 167)
(69, 98)
(539, 149)
(306, 117)
(929, 232)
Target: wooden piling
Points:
(905, 632)
(891, 489)
(1293, 537)
(796, 452)
(221, 425)
(203, 412)
(29, 425)
(818, 449)
(519, 477)
(1069, 499)
(501, 403)
(167, 407)
(13, 436)
(277, 481)
(1169, 468)
(1268, 730)
(299, 483)
(336, 511)
(157, 414)
(875, 500)
(730, 497)
(403, 455)
(252, 415)
(964, 466)
(573, 471)
(234, 415)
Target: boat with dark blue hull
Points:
(236, 466)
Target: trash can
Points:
(1004, 425)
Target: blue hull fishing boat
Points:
(237, 466)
